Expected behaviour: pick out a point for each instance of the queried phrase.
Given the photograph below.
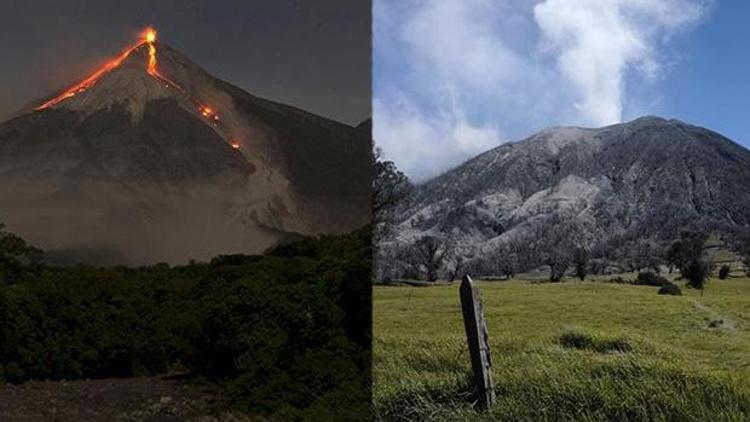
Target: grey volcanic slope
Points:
(130, 171)
(167, 145)
(649, 175)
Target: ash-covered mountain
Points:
(152, 159)
(646, 178)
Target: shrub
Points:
(670, 289)
(724, 272)
(688, 254)
(697, 274)
(581, 257)
(715, 323)
(648, 278)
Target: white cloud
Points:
(422, 145)
(457, 40)
(453, 77)
(597, 41)
(450, 51)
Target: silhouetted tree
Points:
(430, 252)
(16, 257)
(389, 187)
(458, 266)
(687, 254)
(581, 261)
(507, 260)
(642, 254)
(560, 235)
(724, 272)
(558, 261)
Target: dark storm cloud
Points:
(312, 54)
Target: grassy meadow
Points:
(570, 351)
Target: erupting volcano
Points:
(147, 37)
(150, 158)
(147, 40)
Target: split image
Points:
(331, 210)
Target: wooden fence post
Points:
(479, 343)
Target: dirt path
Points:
(125, 400)
(716, 320)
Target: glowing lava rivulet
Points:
(91, 80)
(148, 38)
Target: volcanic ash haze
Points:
(152, 159)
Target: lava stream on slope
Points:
(148, 37)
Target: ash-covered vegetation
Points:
(286, 334)
(648, 195)
(560, 244)
(559, 247)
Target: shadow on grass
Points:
(596, 343)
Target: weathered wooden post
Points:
(479, 342)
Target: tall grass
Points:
(566, 352)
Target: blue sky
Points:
(453, 79)
(711, 85)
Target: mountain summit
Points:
(152, 159)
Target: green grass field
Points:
(571, 351)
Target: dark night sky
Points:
(313, 54)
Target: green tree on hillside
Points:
(688, 255)
(16, 256)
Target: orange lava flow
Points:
(91, 80)
(148, 37)
(151, 69)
